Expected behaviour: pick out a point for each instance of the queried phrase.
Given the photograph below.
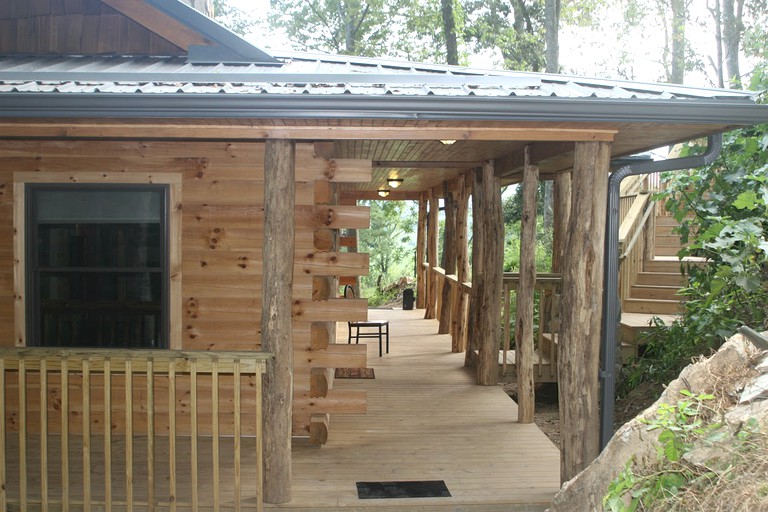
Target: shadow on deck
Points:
(426, 420)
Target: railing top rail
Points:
(163, 360)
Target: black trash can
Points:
(408, 298)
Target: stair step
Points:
(666, 221)
(668, 307)
(655, 292)
(661, 279)
(662, 250)
(670, 266)
(668, 240)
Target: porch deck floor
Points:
(426, 420)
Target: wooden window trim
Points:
(174, 180)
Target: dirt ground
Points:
(547, 415)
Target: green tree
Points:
(350, 27)
(236, 20)
(389, 244)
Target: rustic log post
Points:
(581, 309)
(449, 258)
(487, 188)
(459, 316)
(421, 249)
(562, 212)
(473, 317)
(524, 316)
(431, 305)
(276, 329)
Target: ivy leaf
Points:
(746, 201)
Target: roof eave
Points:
(275, 106)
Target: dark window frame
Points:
(33, 311)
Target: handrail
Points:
(80, 397)
(637, 232)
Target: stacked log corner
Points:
(581, 309)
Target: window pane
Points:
(98, 266)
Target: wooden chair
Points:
(376, 329)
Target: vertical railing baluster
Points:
(3, 483)
(108, 434)
(215, 430)
(23, 432)
(193, 430)
(86, 434)
(259, 444)
(172, 433)
(150, 434)
(237, 432)
(129, 434)
(65, 435)
(44, 433)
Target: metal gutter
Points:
(611, 306)
(348, 106)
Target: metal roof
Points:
(326, 86)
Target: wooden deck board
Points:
(426, 420)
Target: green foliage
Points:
(512, 247)
(723, 215)
(233, 18)
(389, 244)
(678, 426)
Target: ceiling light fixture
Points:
(394, 182)
(448, 142)
(383, 192)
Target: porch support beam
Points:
(449, 258)
(524, 310)
(488, 229)
(561, 191)
(581, 309)
(79, 128)
(421, 249)
(276, 328)
(459, 316)
(431, 305)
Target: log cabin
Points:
(173, 198)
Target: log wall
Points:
(221, 247)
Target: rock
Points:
(586, 490)
(755, 390)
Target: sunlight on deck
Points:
(426, 420)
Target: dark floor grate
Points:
(412, 489)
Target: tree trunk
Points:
(449, 30)
(551, 35)
(276, 328)
(717, 64)
(732, 29)
(679, 16)
(449, 258)
(431, 305)
(462, 264)
(487, 188)
(581, 307)
(421, 249)
(524, 314)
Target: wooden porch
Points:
(426, 420)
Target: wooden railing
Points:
(116, 429)
(459, 304)
(547, 293)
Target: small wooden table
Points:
(382, 331)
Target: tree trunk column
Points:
(276, 328)
(431, 305)
(459, 319)
(490, 226)
(449, 258)
(421, 249)
(581, 309)
(525, 288)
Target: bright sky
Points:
(582, 52)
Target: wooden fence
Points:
(113, 429)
